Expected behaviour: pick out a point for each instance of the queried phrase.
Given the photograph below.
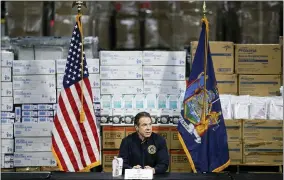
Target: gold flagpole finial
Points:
(79, 5)
(204, 9)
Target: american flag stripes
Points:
(75, 144)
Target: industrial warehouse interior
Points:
(142, 90)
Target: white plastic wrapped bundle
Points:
(275, 108)
(258, 107)
(281, 90)
(240, 106)
(226, 106)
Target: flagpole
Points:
(78, 19)
(205, 64)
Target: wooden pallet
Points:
(255, 168)
(7, 170)
(28, 169)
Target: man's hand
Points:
(148, 167)
(137, 167)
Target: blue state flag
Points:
(202, 131)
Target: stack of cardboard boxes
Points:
(254, 70)
(129, 89)
(259, 69)
(113, 135)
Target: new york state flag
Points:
(202, 131)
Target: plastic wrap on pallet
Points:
(157, 31)
(186, 22)
(24, 18)
(31, 48)
(127, 7)
(65, 8)
(102, 7)
(226, 106)
(101, 25)
(5, 43)
(127, 32)
(275, 109)
(101, 22)
(259, 21)
(240, 106)
(159, 7)
(64, 25)
(258, 107)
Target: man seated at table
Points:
(144, 149)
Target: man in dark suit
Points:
(144, 149)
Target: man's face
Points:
(145, 127)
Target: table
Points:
(97, 175)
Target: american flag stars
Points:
(73, 68)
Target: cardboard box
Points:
(236, 152)
(179, 161)
(227, 84)
(122, 87)
(174, 141)
(31, 67)
(34, 96)
(7, 58)
(164, 87)
(32, 129)
(222, 56)
(264, 153)
(7, 104)
(27, 159)
(119, 58)
(93, 66)
(108, 156)
(7, 89)
(35, 82)
(165, 132)
(164, 72)
(6, 75)
(259, 85)
(32, 144)
(112, 137)
(234, 130)
(121, 72)
(164, 58)
(258, 59)
(7, 130)
(7, 145)
(263, 130)
(94, 80)
(129, 130)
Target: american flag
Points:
(75, 144)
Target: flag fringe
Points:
(218, 169)
(187, 153)
(57, 159)
(86, 169)
(224, 166)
